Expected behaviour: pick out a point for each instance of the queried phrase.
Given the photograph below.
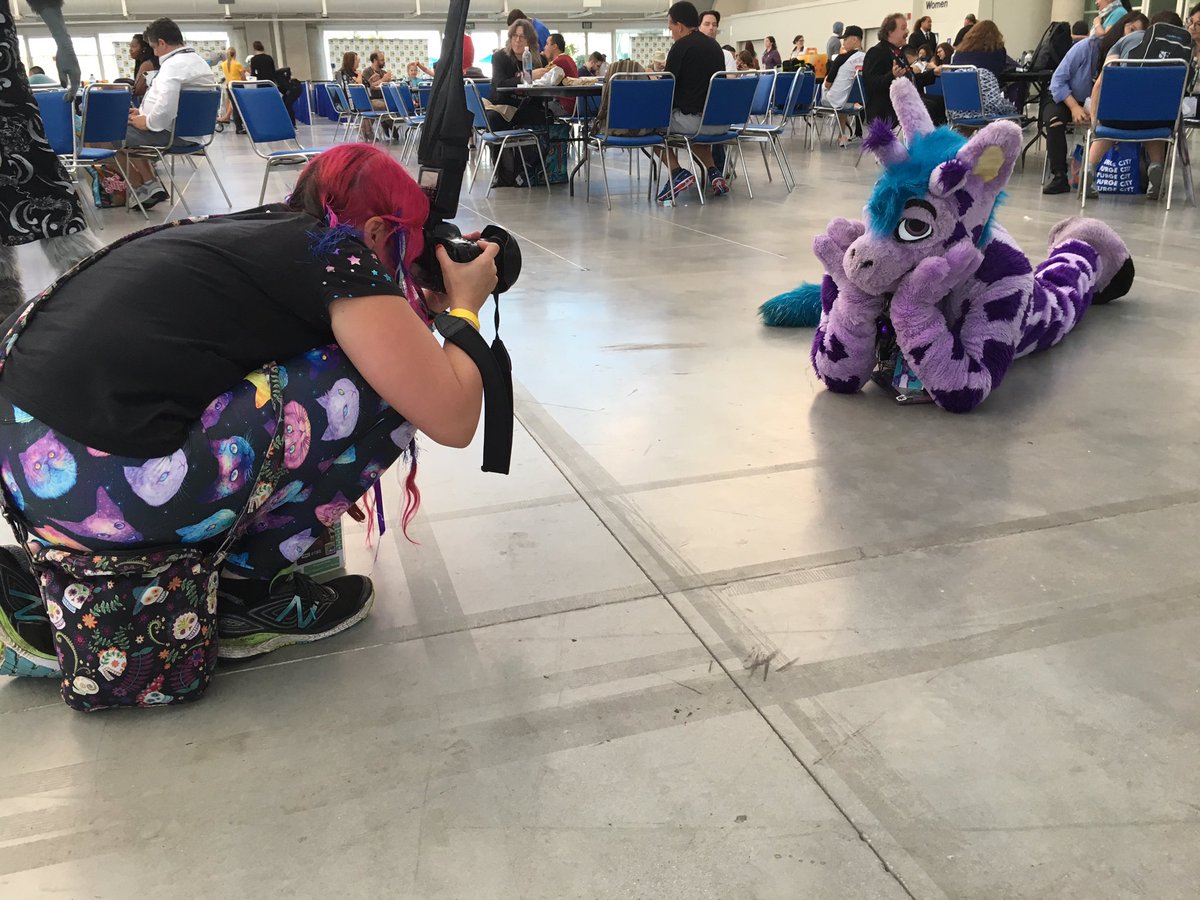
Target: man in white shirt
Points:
(710, 24)
(840, 76)
(150, 126)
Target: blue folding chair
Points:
(360, 102)
(964, 98)
(514, 138)
(105, 109)
(267, 122)
(801, 103)
(766, 133)
(784, 82)
(1140, 101)
(727, 104)
(424, 90)
(413, 122)
(636, 101)
(192, 132)
(341, 106)
(58, 121)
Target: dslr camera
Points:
(428, 272)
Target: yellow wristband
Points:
(465, 314)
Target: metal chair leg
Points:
(542, 160)
(263, 192)
(1171, 177)
(746, 172)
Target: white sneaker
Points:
(1154, 177)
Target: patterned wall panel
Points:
(214, 51)
(644, 46)
(398, 52)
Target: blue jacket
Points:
(1076, 74)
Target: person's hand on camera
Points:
(468, 285)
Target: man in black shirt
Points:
(693, 60)
(884, 63)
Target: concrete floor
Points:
(720, 633)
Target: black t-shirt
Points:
(693, 60)
(262, 65)
(126, 354)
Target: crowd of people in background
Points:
(899, 51)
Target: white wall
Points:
(1021, 21)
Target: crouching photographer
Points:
(186, 412)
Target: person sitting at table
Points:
(983, 48)
(1122, 46)
(539, 27)
(1070, 94)
(596, 65)
(506, 73)
(692, 61)
(555, 53)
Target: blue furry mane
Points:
(909, 180)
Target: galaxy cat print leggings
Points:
(340, 437)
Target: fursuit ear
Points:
(910, 109)
(991, 154)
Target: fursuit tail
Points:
(798, 308)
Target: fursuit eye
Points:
(913, 229)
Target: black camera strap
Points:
(495, 369)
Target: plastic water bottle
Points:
(527, 67)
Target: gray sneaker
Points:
(1091, 192)
(1154, 177)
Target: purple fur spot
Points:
(960, 401)
(1004, 308)
(836, 351)
(960, 234)
(849, 385)
(1001, 260)
(997, 356)
(829, 293)
(976, 233)
(973, 366)
(965, 201)
(1060, 276)
(1078, 248)
(951, 174)
(917, 354)
(958, 351)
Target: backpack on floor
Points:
(556, 152)
(1055, 42)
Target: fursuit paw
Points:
(830, 248)
(937, 276)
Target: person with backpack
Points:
(1165, 39)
